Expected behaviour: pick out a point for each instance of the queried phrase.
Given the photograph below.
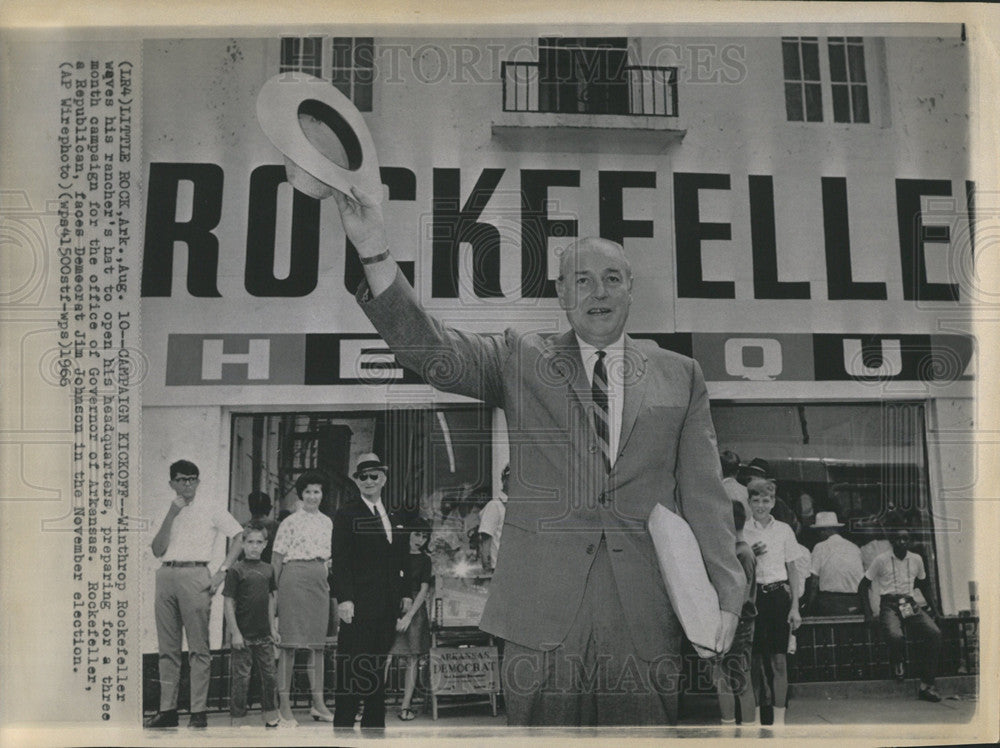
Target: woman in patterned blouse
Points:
(301, 557)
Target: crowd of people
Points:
(836, 578)
(373, 565)
(279, 580)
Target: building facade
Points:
(798, 212)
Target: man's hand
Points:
(759, 548)
(362, 219)
(238, 642)
(275, 636)
(177, 504)
(794, 619)
(406, 603)
(346, 611)
(724, 639)
(403, 623)
(217, 579)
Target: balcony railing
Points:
(651, 92)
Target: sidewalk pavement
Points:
(887, 716)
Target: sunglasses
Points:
(187, 480)
(369, 476)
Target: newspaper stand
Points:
(463, 659)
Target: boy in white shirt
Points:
(776, 549)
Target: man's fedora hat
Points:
(368, 461)
(826, 519)
(321, 134)
(757, 468)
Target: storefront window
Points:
(866, 462)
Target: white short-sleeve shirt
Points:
(781, 545)
(491, 523)
(893, 576)
(836, 562)
(195, 529)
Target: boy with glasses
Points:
(184, 589)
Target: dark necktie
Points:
(599, 393)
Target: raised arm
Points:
(162, 538)
(365, 227)
(448, 359)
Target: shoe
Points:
(928, 694)
(407, 714)
(162, 719)
(276, 723)
(198, 720)
(319, 716)
(286, 724)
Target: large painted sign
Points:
(801, 266)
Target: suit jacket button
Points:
(593, 448)
(590, 548)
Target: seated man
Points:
(836, 571)
(893, 574)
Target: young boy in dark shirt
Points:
(250, 604)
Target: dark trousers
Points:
(260, 651)
(362, 647)
(594, 677)
(921, 626)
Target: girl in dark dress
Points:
(413, 640)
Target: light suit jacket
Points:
(561, 497)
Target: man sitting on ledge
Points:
(893, 574)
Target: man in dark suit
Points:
(601, 428)
(366, 568)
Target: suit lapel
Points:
(566, 365)
(636, 383)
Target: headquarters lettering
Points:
(456, 221)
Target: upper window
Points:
(848, 82)
(347, 62)
(302, 54)
(583, 75)
(803, 92)
(805, 72)
(588, 75)
(353, 69)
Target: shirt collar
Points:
(372, 504)
(758, 525)
(587, 350)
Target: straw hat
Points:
(826, 519)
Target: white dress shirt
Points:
(781, 545)
(614, 365)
